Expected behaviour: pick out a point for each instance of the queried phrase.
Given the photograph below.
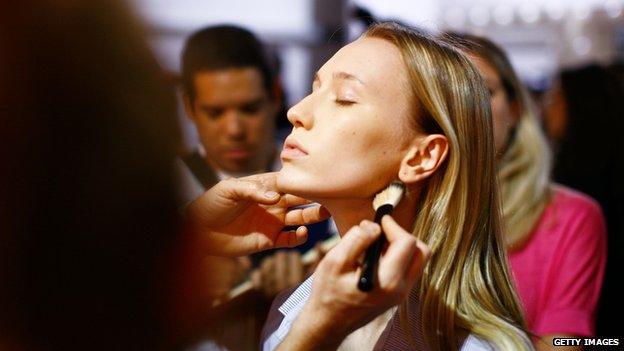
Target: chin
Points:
(294, 182)
(317, 187)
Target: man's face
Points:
(234, 115)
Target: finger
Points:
(354, 243)
(291, 238)
(289, 200)
(268, 179)
(307, 215)
(295, 271)
(250, 190)
(256, 279)
(233, 246)
(245, 262)
(320, 252)
(266, 269)
(240, 270)
(392, 229)
(401, 249)
(266, 266)
(280, 271)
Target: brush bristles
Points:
(391, 195)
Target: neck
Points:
(347, 213)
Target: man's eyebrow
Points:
(209, 107)
(255, 101)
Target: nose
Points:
(300, 115)
(234, 125)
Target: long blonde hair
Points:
(525, 166)
(466, 286)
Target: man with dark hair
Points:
(232, 96)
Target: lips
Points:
(292, 149)
(236, 153)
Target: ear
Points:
(423, 158)
(188, 106)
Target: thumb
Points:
(250, 190)
(392, 229)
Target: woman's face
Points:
(350, 134)
(503, 113)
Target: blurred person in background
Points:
(583, 118)
(555, 236)
(233, 95)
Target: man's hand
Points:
(337, 307)
(278, 272)
(242, 216)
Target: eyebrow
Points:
(255, 101)
(340, 75)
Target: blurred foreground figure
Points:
(88, 138)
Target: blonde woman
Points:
(555, 236)
(395, 104)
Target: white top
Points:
(293, 305)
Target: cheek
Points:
(208, 130)
(502, 121)
(260, 127)
(345, 163)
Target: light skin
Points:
(353, 135)
(343, 172)
(234, 218)
(504, 118)
(234, 115)
(241, 216)
(336, 307)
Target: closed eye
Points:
(344, 102)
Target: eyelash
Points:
(344, 102)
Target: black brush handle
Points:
(373, 252)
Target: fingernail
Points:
(270, 194)
(370, 227)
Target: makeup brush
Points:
(383, 204)
(311, 256)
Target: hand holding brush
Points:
(383, 204)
